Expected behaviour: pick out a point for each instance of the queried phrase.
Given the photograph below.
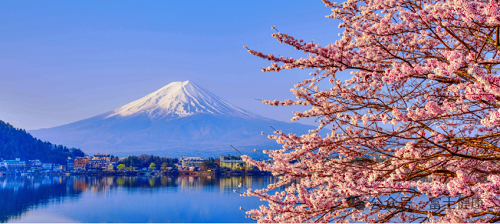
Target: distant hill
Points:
(179, 119)
(16, 143)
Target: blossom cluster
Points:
(419, 115)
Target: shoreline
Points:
(187, 173)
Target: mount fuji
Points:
(179, 119)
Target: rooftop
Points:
(184, 158)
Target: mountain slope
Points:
(16, 143)
(178, 119)
(179, 99)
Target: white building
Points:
(232, 163)
(16, 164)
(70, 164)
(100, 161)
(188, 162)
(35, 162)
(47, 166)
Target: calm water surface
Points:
(127, 199)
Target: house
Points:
(233, 163)
(63, 167)
(56, 167)
(35, 163)
(70, 164)
(99, 156)
(100, 161)
(188, 162)
(80, 163)
(97, 164)
(47, 166)
(36, 168)
(16, 164)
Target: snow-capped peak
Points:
(179, 99)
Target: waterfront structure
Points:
(16, 164)
(47, 166)
(99, 156)
(80, 163)
(56, 167)
(97, 164)
(27, 166)
(188, 162)
(35, 163)
(99, 161)
(233, 164)
(70, 164)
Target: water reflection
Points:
(18, 194)
(132, 199)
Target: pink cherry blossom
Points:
(419, 116)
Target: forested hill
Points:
(16, 143)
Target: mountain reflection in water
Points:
(127, 199)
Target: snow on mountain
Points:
(180, 99)
(179, 119)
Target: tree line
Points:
(17, 143)
(151, 161)
(144, 161)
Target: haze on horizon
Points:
(67, 61)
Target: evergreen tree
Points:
(17, 143)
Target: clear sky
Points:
(63, 61)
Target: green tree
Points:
(16, 143)
(209, 164)
(121, 167)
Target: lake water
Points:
(127, 199)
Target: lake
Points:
(127, 199)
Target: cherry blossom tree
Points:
(412, 136)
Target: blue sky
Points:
(66, 61)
